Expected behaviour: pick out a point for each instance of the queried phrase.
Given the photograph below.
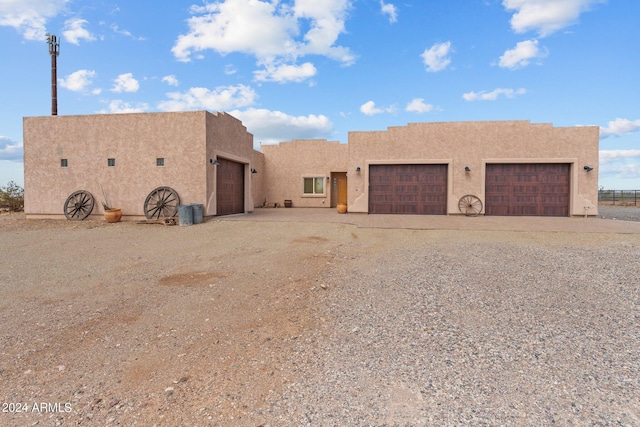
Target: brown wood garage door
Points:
(229, 187)
(527, 189)
(408, 189)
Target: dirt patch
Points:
(310, 239)
(107, 319)
(193, 278)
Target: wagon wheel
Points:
(78, 205)
(470, 205)
(161, 203)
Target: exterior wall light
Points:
(467, 169)
(253, 170)
(358, 169)
(588, 168)
(214, 162)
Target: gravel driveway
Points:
(624, 213)
(478, 330)
(289, 324)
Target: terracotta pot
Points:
(342, 208)
(113, 215)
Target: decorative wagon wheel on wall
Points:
(78, 205)
(161, 203)
(470, 205)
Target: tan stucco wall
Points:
(287, 163)
(475, 144)
(186, 141)
(190, 141)
(258, 184)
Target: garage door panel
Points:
(554, 199)
(229, 187)
(406, 208)
(412, 189)
(527, 189)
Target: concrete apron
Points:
(442, 222)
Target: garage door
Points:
(408, 189)
(229, 187)
(527, 189)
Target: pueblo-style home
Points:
(148, 163)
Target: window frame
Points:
(315, 179)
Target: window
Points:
(111, 162)
(160, 161)
(64, 163)
(314, 186)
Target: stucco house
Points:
(202, 157)
(513, 167)
(493, 167)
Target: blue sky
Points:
(321, 68)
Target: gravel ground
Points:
(479, 330)
(624, 213)
(284, 324)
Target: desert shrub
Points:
(12, 197)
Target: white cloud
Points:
(436, 58)
(126, 33)
(29, 17)
(545, 16)
(78, 81)
(253, 27)
(271, 127)
(230, 70)
(116, 29)
(417, 105)
(389, 9)
(620, 170)
(269, 30)
(120, 107)
(222, 98)
(286, 73)
(609, 156)
(326, 22)
(171, 80)
(619, 127)
(522, 54)
(10, 150)
(369, 108)
(125, 83)
(74, 31)
(493, 95)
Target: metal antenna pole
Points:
(54, 51)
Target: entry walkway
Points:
(441, 222)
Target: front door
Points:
(338, 188)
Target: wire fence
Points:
(619, 197)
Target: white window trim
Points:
(324, 186)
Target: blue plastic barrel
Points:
(185, 214)
(197, 212)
